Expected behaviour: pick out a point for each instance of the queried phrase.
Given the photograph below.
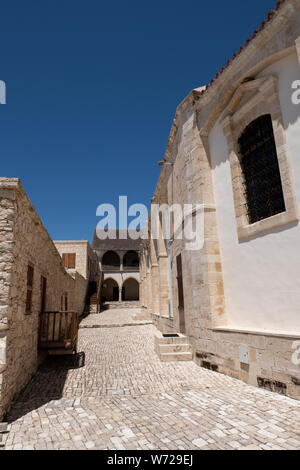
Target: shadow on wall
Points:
(47, 385)
(268, 232)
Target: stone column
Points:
(164, 288)
(121, 261)
(154, 278)
(164, 292)
(210, 299)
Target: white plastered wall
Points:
(261, 275)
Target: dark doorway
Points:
(115, 294)
(130, 290)
(110, 291)
(180, 295)
(43, 293)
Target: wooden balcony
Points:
(58, 332)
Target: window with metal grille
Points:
(259, 162)
(30, 275)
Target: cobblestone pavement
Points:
(125, 398)
(113, 317)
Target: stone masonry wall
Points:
(23, 241)
(86, 269)
(87, 264)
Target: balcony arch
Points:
(111, 260)
(131, 260)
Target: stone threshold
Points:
(119, 325)
(284, 335)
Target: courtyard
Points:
(116, 394)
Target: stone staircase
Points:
(172, 348)
(92, 309)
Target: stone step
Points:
(120, 305)
(3, 428)
(176, 357)
(160, 339)
(174, 348)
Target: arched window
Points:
(131, 260)
(259, 163)
(111, 259)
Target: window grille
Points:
(259, 162)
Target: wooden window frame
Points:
(29, 289)
(69, 260)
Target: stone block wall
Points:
(86, 268)
(263, 359)
(23, 241)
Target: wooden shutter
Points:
(72, 260)
(65, 259)
(69, 260)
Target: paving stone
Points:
(123, 397)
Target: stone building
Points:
(79, 257)
(234, 151)
(119, 263)
(33, 279)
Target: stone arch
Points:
(110, 290)
(111, 259)
(131, 290)
(131, 259)
(225, 95)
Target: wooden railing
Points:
(58, 330)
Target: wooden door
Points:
(43, 293)
(180, 295)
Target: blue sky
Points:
(92, 89)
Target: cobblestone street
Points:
(122, 397)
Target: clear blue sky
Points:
(92, 89)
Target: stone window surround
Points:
(263, 100)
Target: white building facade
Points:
(234, 149)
